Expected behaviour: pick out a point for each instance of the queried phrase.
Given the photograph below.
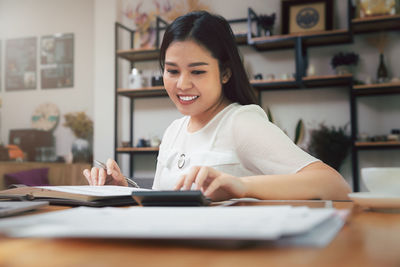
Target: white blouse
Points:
(239, 140)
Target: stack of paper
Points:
(281, 224)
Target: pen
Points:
(128, 180)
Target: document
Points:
(251, 223)
(75, 195)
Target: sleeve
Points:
(264, 148)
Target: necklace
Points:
(181, 161)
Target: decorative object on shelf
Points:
(258, 76)
(266, 22)
(135, 79)
(307, 15)
(394, 135)
(344, 62)
(82, 127)
(330, 144)
(311, 70)
(126, 143)
(270, 77)
(380, 43)
(157, 80)
(382, 72)
(143, 143)
(45, 117)
(368, 8)
(155, 141)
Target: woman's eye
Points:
(172, 71)
(197, 72)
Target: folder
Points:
(94, 196)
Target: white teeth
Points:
(187, 98)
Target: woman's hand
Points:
(214, 184)
(99, 176)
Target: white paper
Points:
(220, 223)
(104, 191)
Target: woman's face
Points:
(193, 81)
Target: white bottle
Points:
(135, 79)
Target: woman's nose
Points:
(184, 82)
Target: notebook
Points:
(8, 208)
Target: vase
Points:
(344, 69)
(382, 73)
(81, 150)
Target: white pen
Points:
(128, 180)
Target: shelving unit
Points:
(360, 26)
(300, 43)
(133, 56)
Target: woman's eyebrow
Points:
(194, 64)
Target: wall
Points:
(25, 18)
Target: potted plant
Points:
(330, 144)
(82, 127)
(344, 62)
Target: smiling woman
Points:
(224, 145)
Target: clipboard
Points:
(170, 198)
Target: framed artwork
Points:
(1, 70)
(57, 61)
(20, 64)
(306, 15)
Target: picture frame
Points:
(306, 15)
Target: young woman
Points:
(224, 145)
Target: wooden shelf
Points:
(137, 149)
(139, 54)
(319, 38)
(377, 145)
(328, 80)
(153, 91)
(307, 82)
(274, 84)
(376, 23)
(377, 89)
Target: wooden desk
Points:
(368, 239)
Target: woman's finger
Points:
(180, 182)
(201, 177)
(190, 177)
(86, 173)
(94, 174)
(102, 177)
(214, 185)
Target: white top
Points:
(239, 140)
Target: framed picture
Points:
(20, 64)
(306, 15)
(57, 61)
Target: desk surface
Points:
(368, 239)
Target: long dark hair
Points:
(215, 34)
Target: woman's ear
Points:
(226, 75)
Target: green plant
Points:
(344, 58)
(80, 124)
(330, 144)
